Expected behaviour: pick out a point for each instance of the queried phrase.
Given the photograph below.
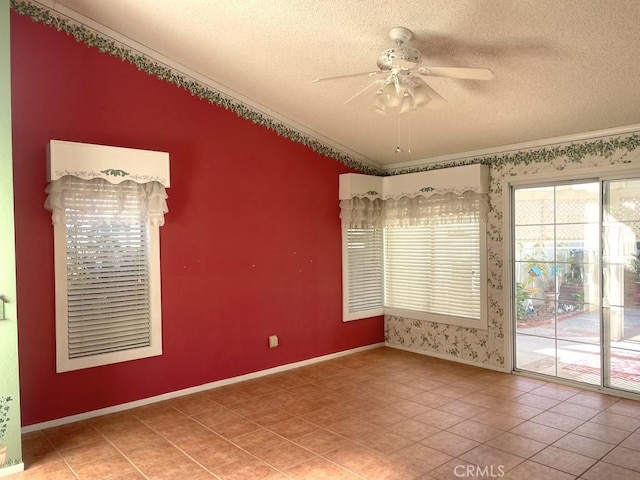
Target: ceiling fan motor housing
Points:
(401, 56)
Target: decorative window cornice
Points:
(459, 181)
(114, 164)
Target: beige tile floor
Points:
(378, 414)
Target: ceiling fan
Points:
(401, 88)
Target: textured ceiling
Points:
(561, 67)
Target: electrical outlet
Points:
(273, 341)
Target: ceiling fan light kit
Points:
(400, 88)
(400, 94)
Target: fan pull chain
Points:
(399, 147)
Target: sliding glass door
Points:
(621, 284)
(576, 276)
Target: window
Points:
(420, 256)
(434, 271)
(107, 269)
(363, 274)
(575, 258)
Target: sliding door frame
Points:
(573, 176)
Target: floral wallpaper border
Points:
(148, 65)
(488, 347)
(572, 153)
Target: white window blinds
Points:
(434, 268)
(364, 272)
(107, 269)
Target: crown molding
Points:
(511, 148)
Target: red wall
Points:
(250, 248)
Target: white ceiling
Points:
(561, 67)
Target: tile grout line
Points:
(347, 395)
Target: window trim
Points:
(440, 181)
(114, 164)
(578, 174)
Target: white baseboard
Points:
(6, 471)
(448, 357)
(187, 391)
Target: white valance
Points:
(419, 210)
(125, 203)
(108, 185)
(114, 164)
(435, 209)
(361, 212)
(450, 195)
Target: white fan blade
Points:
(455, 72)
(436, 101)
(371, 74)
(377, 82)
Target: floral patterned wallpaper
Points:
(488, 347)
